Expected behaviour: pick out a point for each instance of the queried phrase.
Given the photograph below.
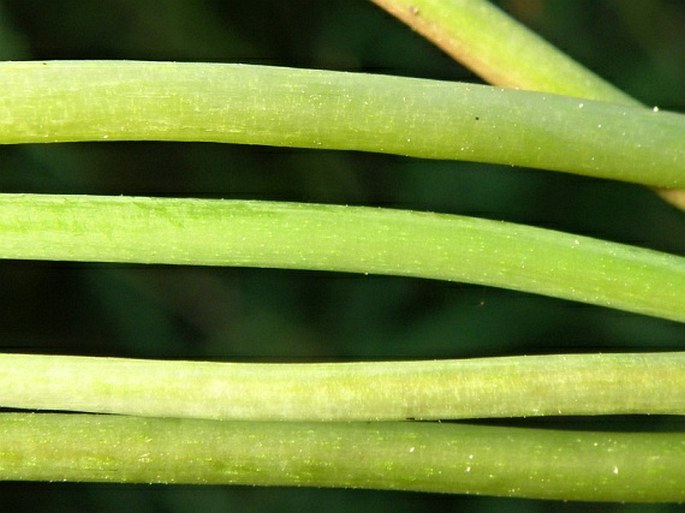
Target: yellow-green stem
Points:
(122, 100)
(338, 238)
(599, 384)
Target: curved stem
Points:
(114, 100)
(338, 238)
(598, 384)
(448, 458)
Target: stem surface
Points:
(470, 31)
(338, 238)
(598, 384)
(62, 101)
(452, 458)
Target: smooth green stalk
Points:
(338, 238)
(650, 383)
(115, 100)
(505, 52)
(451, 458)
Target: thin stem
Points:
(115, 100)
(598, 384)
(452, 458)
(347, 239)
(500, 49)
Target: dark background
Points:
(273, 315)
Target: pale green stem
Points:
(505, 52)
(451, 458)
(597, 384)
(338, 238)
(115, 100)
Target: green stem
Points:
(338, 238)
(452, 458)
(422, 390)
(115, 100)
(470, 31)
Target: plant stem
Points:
(452, 458)
(471, 32)
(598, 384)
(338, 238)
(500, 49)
(114, 100)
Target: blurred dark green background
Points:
(272, 315)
